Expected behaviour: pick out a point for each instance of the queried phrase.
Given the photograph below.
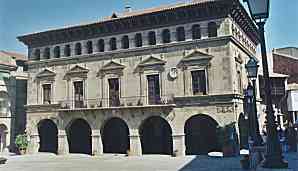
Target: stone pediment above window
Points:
(196, 57)
(151, 63)
(46, 74)
(77, 71)
(111, 67)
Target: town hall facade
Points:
(155, 81)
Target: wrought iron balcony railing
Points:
(116, 102)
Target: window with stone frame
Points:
(152, 38)
(239, 78)
(101, 45)
(199, 82)
(114, 92)
(46, 53)
(78, 49)
(180, 34)
(138, 40)
(212, 29)
(113, 44)
(37, 54)
(78, 94)
(166, 36)
(47, 93)
(57, 52)
(89, 46)
(196, 32)
(4, 104)
(67, 50)
(125, 42)
(153, 89)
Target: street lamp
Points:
(252, 73)
(259, 10)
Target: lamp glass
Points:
(252, 68)
(259, 9)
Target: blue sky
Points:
(18, 17)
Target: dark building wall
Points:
(21, 100)
(286, 65)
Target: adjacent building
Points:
(13, 88)
(153, 81)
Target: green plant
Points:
(21, 141)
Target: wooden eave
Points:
(196, 11)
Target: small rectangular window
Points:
(199, 82)
(47, 91)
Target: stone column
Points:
(33, 143)
(188, 32)
(97, 148)
(179, 144)
(62, 143)
(145, 40)
(135, 144)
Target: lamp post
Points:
(252, 73)
(259, 10)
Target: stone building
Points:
(13, 88)
(152, 81)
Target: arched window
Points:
(166, 36)
(113, 44)
(89, 47)
(196, 32)
(152, 38)
(57, 52)
(37, 54)
(138, 40)
(67, 50)
(101, 45)
(46, 53)
(125, 42)
(180, 34)
(212, 29)
(78, 49)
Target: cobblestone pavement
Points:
(77, 162)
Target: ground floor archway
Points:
(156, 136)
(200, 135)
(48, 136)
(115, 136)
(79, 137)
(3, 137)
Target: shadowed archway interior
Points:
(156, 136)
(79, 137)
(200, 135)
(48, 136)
(115, 136)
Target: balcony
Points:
(123, 102)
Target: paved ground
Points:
(77, 162)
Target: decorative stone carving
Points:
(111, 67)
(196, 57)
(46, 74)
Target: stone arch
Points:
(48, 136)
(156, 136)
(3, 137)
(79, 136)
(115, 136)
(200, 135)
